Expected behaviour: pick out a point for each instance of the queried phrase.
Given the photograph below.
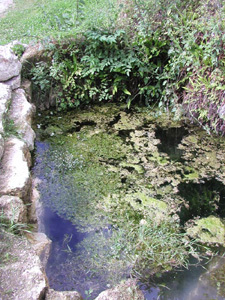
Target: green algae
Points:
(208, 230)
(103, 167)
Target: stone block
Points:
(5, 99)
(22, 277)
(10, 66)
(125, 291)
(71, 295)
(14, 83)
(13, 209)
(15, 176)
(21, 112)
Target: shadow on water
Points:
(170, 138)
(204, 199)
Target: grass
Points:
(36, 20)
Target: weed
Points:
(9, 127)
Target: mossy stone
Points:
(208, 230)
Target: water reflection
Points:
(193, 284)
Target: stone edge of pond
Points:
(24, 277)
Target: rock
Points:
(27, 86)
(33, 53)
(22, 275)
(127, 290)
(5, 99)
(35, 205)
(53, 130)
(41, 244)
(10, 65)
(208, 230)
(14, 83)
(211, 284)
(5, 5)
(72, 295)
(221, 111)
(15, 177)
(1, 146)
(13, 209)
(157, 209)
(21, 112)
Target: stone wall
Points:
(24, 277)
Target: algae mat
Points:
(132, 183)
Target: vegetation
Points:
(165, 52)
(101, 169)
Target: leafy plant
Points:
(18, 49)
(9, 224)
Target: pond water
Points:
(115, 184)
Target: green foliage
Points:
(172, 47)
(103, 67)
(9, 127)
(41, 79)
(9, 224)
(144, 245)
(18, 49)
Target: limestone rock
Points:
(208, 230)
(5, 4)
(14, 176)
(5, 98)
(124, 291)
(211, 284)
(10, 65)
(14, 83)
(1, 146)
(41, 244)
(27, 86)
(21, 112)
(35, 204)
(71, 295)
(13, 209)
(33, 54)
(22, 277)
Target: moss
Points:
(105, 168)
(208, 230)
(138, 168)
(190, 173)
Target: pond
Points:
(130, 193)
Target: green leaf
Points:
(126, 92)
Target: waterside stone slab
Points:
(125, 291)
(41, 244)
(71, 295)
(13, 209)
(22, 277)
(21, 112)
(15, 176)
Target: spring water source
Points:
(88, 162)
